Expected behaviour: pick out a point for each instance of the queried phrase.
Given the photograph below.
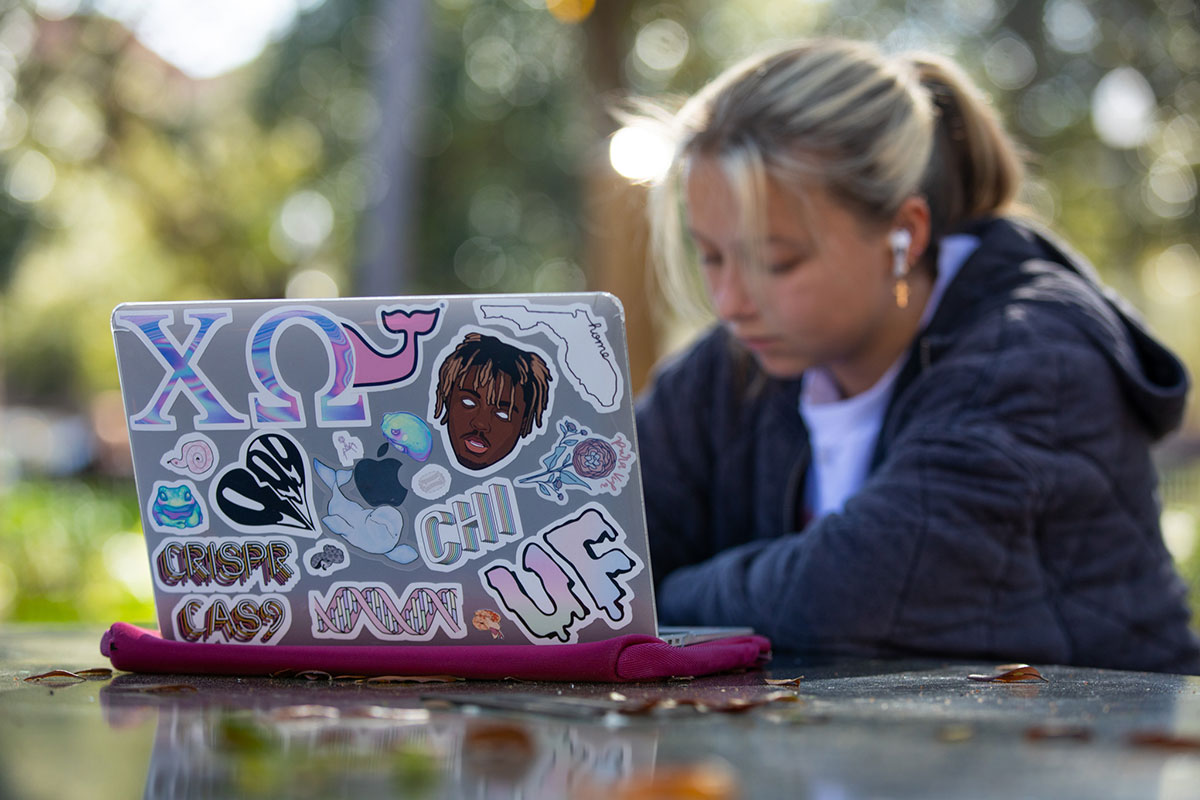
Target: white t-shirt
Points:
(842, 430)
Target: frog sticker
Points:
(177, 506)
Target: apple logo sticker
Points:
(378, 481)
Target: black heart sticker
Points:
(269, 488)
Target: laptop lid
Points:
(431, 470)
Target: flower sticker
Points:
(582, 460)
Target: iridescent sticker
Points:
(237, 619)
(177, 507)
(181, 369)
(225, 564)
(468, 526)
(574, 573)
(408, 433)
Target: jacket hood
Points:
(1154, 379)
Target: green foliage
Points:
(73, 551)
(125, 180)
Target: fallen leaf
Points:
(314, 675)
(386, 679)
(784, 681)
(498, 750)
(1054, 731)
(705, 781)
(95, 672)
(955, 733)
(170, 688)
(1165, 741)
(56, 676)
(1010, 673)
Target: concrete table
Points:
(843, 730)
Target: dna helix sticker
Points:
(426, 608)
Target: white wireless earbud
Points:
(900, 240)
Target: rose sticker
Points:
(582, 460)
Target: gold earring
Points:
(900, 240)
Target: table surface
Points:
(843, 730)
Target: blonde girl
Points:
(920, 426)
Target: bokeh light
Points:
(571, 11)
(31, 178)
(1009, 62)
(639, 154)
(1123, 108)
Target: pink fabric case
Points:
(624, 658)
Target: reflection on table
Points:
(796, 729)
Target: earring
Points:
(900, 240)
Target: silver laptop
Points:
(450, 470)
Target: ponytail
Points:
(974, 168)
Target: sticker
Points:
(241, 619)
(374, 530)
(583, 350)
(378, 480)
(593, 547)
(468, 525)
(194, 454)
(268, 490)
(373, 367)
(225, 564)
(431, 482)
(570, 575)
(177, 506)
(408, 433)
(582, 460)
(276, 404)
(182, 373)
(491, 395)
(326, 558)
(538, 593)
(350, 608)
(349, 448)
(487, 620)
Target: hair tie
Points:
(947, 110)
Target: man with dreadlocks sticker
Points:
(490, 395)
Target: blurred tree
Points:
(128, 180)
(139, 183)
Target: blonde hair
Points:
(838, 115)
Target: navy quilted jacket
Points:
(1011, 511)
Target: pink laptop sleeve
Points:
(624, 658)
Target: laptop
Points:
(424, 470)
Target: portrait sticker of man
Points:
(490, 395)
